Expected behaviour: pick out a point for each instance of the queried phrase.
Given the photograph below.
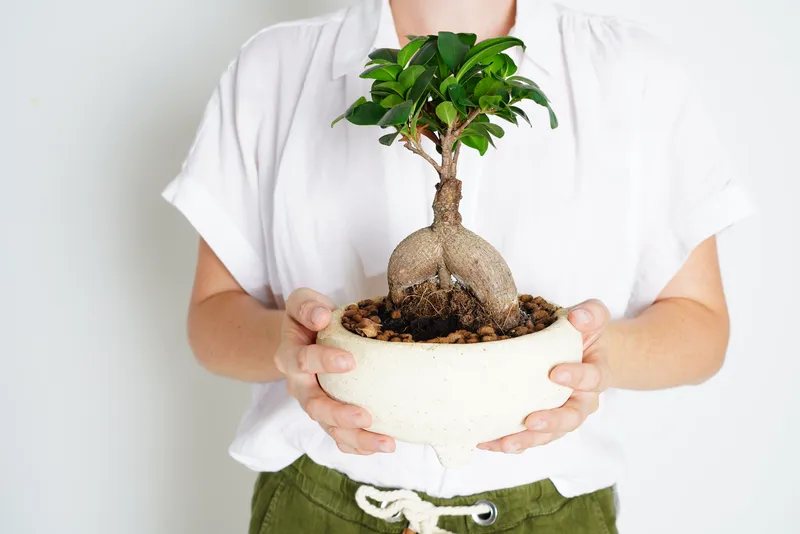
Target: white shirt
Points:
(607, 206)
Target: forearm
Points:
(233, 335)
(675, 342)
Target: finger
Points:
(344, 447)
(579, 376)
(323, 409)
(310, 309)
(519, 442)
(361, 439)
(589, 318)
(314, 359)
(567, 418)
(347, 449)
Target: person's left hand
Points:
(588, 379)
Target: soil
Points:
(433, 315)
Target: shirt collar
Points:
(369, 25)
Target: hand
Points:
(300, 359)
(587, 379)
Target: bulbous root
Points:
(443, 250)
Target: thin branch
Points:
(417, 149)
(471, 117)
(429, 134)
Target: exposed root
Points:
(436, 253)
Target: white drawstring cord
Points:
(423, 516)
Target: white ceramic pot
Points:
(452, 397)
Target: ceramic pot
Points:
(452, 397)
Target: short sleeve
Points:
(688, 188)
(217, 189)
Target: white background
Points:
(107, 424)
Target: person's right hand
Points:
(299, 358)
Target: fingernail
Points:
(512, 447)
(343, 363)
(539, 424)
(317, 316)
(385, 446)
(563, 377)
(483, 447)
(581, 316)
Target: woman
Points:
(617, 209)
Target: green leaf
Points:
(481, 144)
(485, 130)
(337, 119)
(521, 113)
(475, 132)
(505, 94)
(488, 86)
(398, 114)
(386, 73)
(486, 102)
(388, 139)
(468, 38)
(418, 89)
(538, 97)
(452, 49)
(425, 53)
(379, 62)
(469, 85)
(410, 75)
(377, 96)
(496, 65)
(553, 118)
(445, 84)
(510, 67)
(367, 114)
(486, 49)
(523, 80)
(489, 128)
(349, 111)
(408, 51)
(470, 74)
(507, 114)
(391, 101)
(387, 54)
(444, 70)
(521, 91)
(436, 93)
(507, 41)
(458, 96)
(394, 87)
(447, 112)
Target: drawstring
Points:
(423, 516)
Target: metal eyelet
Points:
(487, 518)
(396, 518)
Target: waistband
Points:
(335, 492)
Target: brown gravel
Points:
(379, 319)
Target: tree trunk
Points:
(448, 249)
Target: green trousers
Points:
(306, 498)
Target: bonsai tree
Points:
(440, 90)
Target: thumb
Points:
(589, 318)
